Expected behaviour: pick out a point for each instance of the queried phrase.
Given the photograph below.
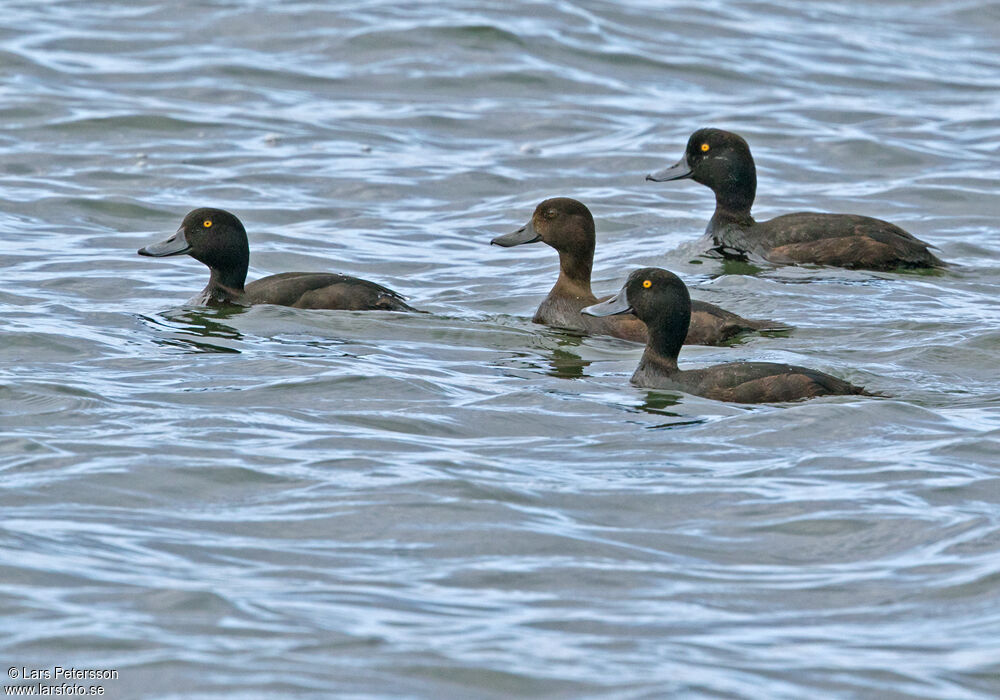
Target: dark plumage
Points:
(721, 161)
(567, 225)
(218, 239)
(661, 300)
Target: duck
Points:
(660, 299)
(217, 238)
(721, 161)
(568, 226)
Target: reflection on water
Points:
(565, 363)
(733, 266)
(656, 403)
(205, 322)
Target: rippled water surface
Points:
(283, 503)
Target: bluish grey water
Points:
(285, 503)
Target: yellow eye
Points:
(705, 147)
(207, 223)
(647, 284)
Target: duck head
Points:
(660, 300)
(719, 160)
(560, 222)
(214, 237)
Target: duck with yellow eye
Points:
(721, 161)
(217, 239)
(660, 299)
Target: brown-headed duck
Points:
(568, 226)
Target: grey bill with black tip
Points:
(525, 234)
(175, 245)
(618, 304)
(677, 171)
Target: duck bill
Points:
(677, 171)
(618, 304)
(175, 245)
(525, 234)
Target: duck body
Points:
(323, 290)
(850, 241)
(562, 307)
(661, 300)
(568, 226)
(721, 161)
(710, 324)
(746, 382)
(218, 239)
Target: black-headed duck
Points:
(660, 299)
(568, 226)
(721, 161)
(218, 239)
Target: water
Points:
(284, 503)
